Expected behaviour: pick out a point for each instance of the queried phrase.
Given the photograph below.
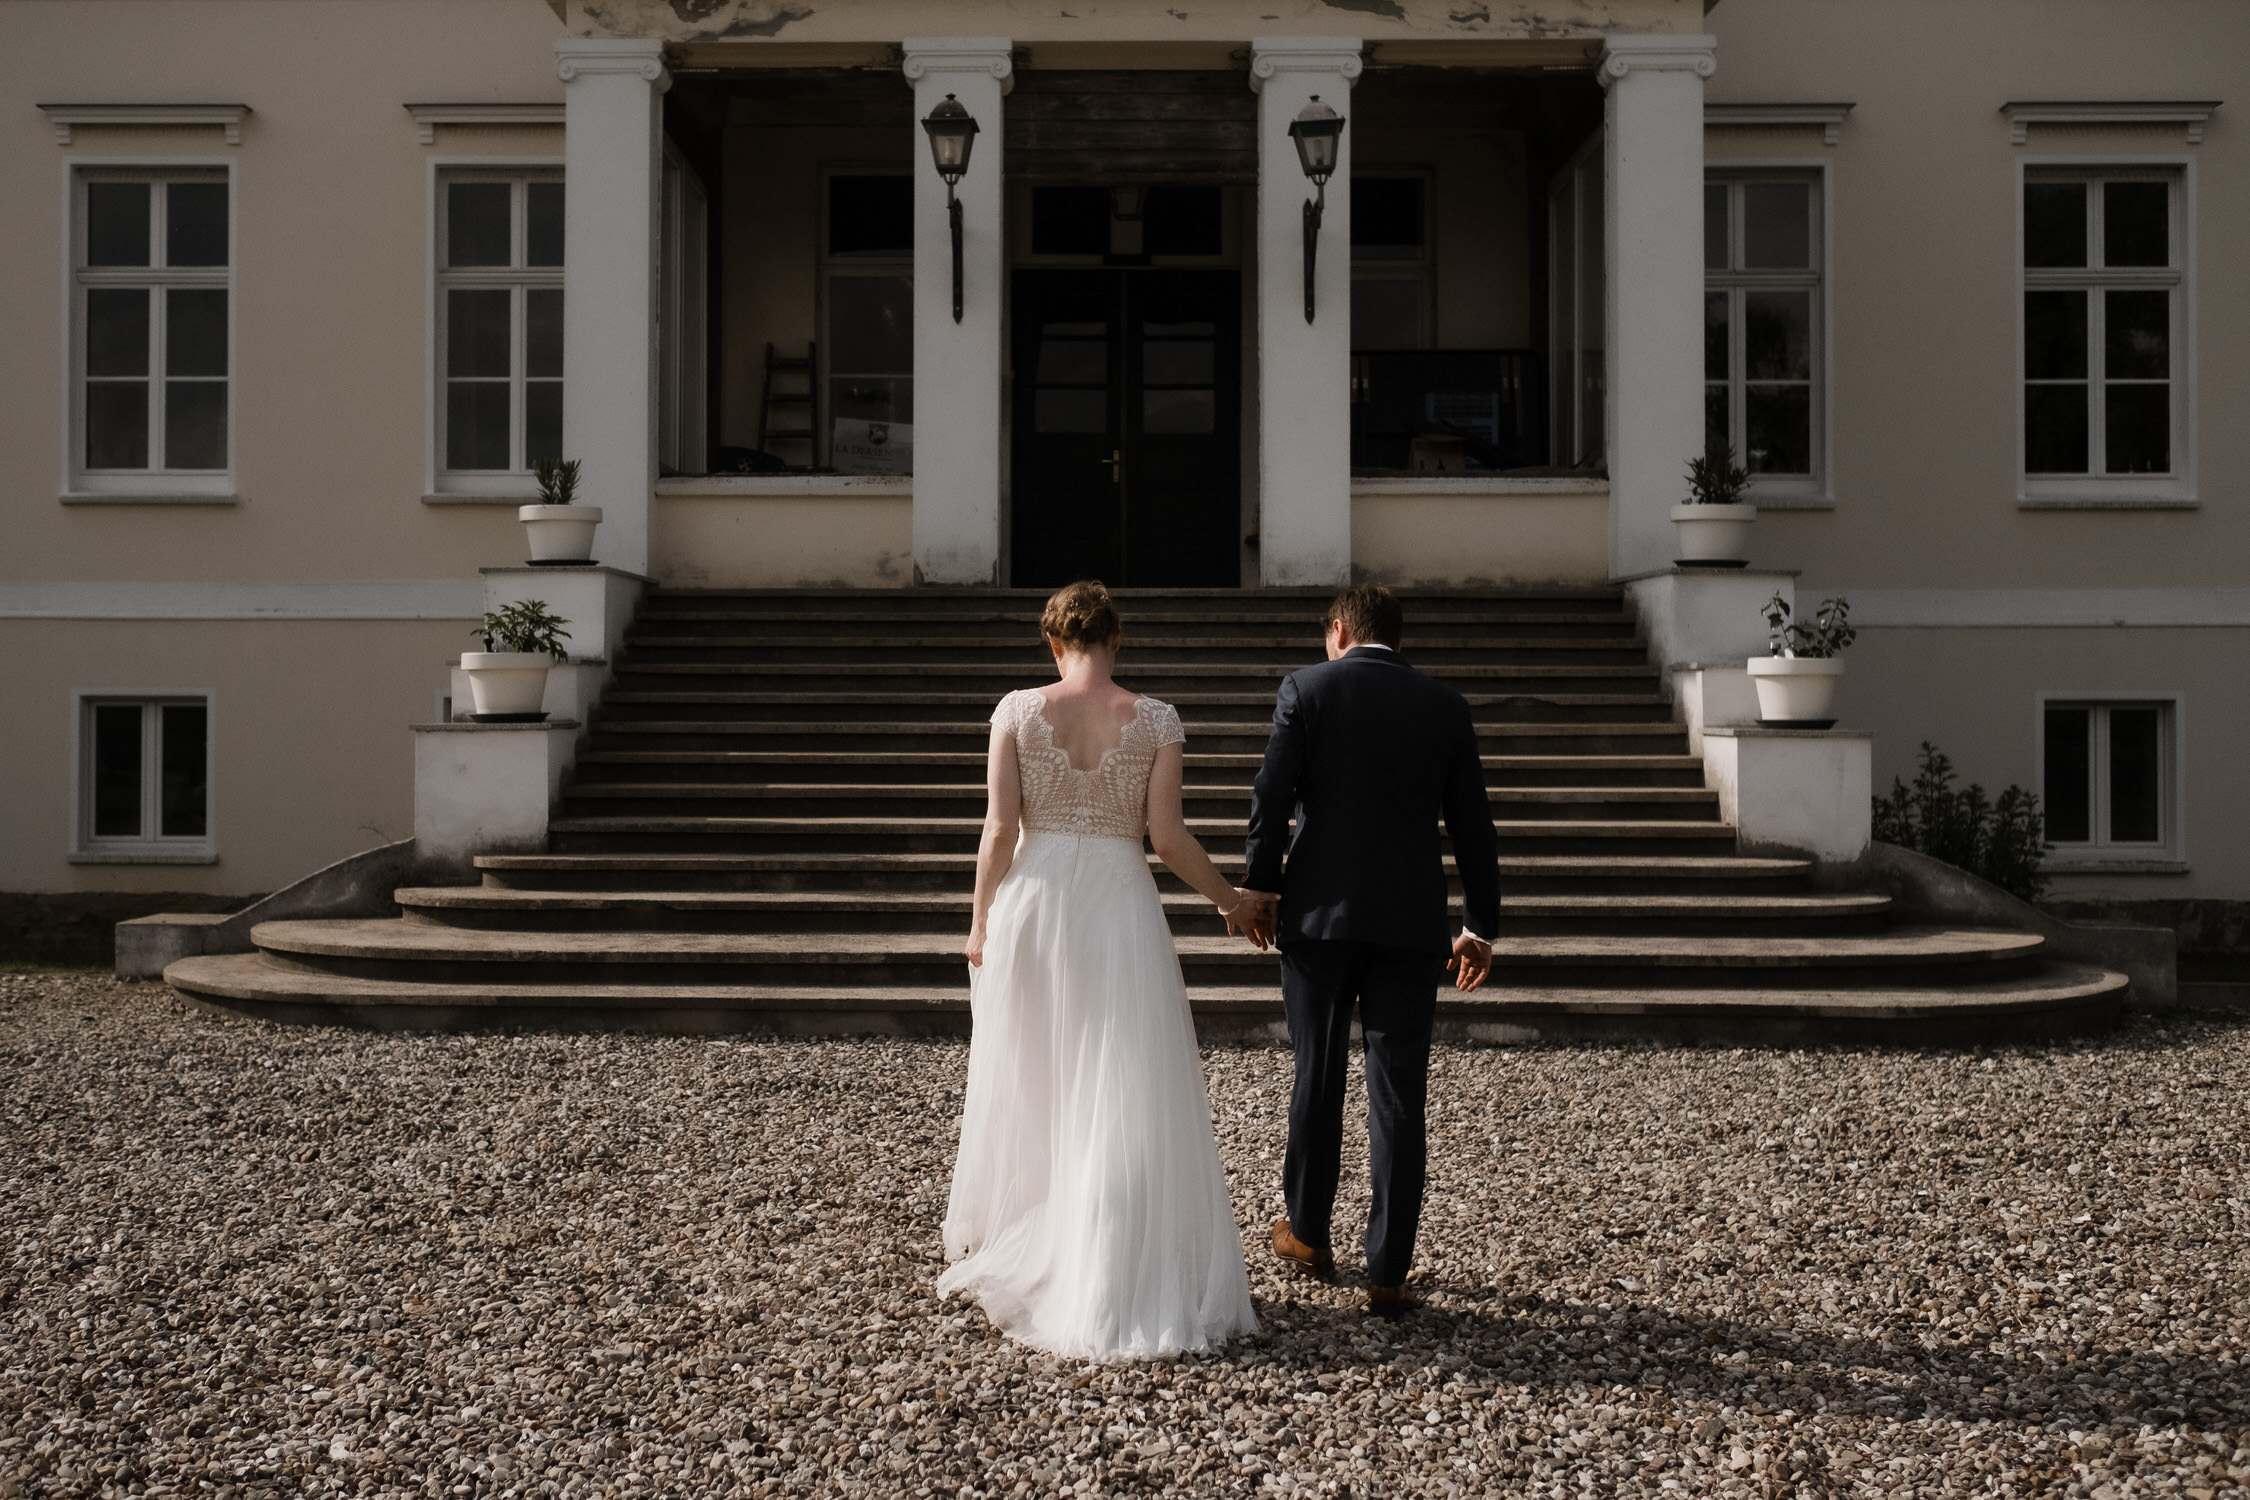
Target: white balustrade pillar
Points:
(612, 193)
(957, 365)
(1304, 369)
(1654, 215)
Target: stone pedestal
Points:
(957, 421)
(486, 788)
(1304, 369)
(1713, 695)
(1802, 789)
(1706, 614)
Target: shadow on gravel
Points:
(1763, 1368)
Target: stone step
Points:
(623, 705)
(753, 673)
(930, 835)
(940, 799)
(646, 910)
(774, 767)
(685, 733)
(1617, 645)
(894, 871)
(2051, 1000)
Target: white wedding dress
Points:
(1089, 1213)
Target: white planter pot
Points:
(1713, 536)
(507, 682)
(560, 533)
(1796, 689)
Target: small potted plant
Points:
(1714, 526)
(508, 678)
(561, 530)
(1797, 682)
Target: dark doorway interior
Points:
(1128, 428)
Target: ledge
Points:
(108, 497)
(1479, 484)
(2085, 866)
(1676, 571)
(2024, 113)
(430, 116)
(67, 117)
(528, 497)
(200, 855)
(2097, 502)
(723, 486)
(1772, 732)
(465, 726)
(1829, 117)
(564, 570)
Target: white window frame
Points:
(151, 849)
(1419, 269)
(1566, 410)
(1789, 492)
(2174, 491)
(829, 265)
(2169, 855)
(683, 325)
(497, 487)
(155, 485)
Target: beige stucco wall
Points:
(786, 532)
(1466, 531)
(313, 758)
(1925, 279)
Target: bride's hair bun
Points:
(1080, 616)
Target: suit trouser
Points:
(1395, 990)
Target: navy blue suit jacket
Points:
(1367, 755)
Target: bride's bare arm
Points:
(1003, 815)
(1168, 834)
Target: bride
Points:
(1089, 1214)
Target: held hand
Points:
(1471, 961)
(1254, 915)
(973, 950)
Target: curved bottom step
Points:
(2054, 1000)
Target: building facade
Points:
(296, 295)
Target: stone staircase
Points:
(773, 820)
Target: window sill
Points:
(2108, 502)
(148, 854)
(721, 485)
(2094, 864)
(454, 497)
(116, 497)
(1791, 502)
(1477, 484)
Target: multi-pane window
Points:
(1762, 260)
(500, 320)
(2101, 325)
(870, 316)
(2107, 784)
(152, 267)
(1577, 258)
(145, 783)
(1390, 256)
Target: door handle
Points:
(1116, 462)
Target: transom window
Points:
(500, 321)
(1762, 358)
(2107, 778)
(144, 779)
(153, 272)
(2103, 400)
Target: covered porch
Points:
(1484, 367)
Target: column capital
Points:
(576, 57)
(1272, 55)
(991, 56)
(1658, 54)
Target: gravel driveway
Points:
(248, 1260)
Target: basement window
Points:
(144, 781)
(2110, 781)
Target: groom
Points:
(1367, 754)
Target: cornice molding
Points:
(577, 57)
(1657, 54)
(428, 117)
(2024, 113)
(994, 56)
(69, 117)
(1829, 117)
(1271, 56)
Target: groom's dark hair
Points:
(1370, 615)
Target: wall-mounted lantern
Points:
(953, 130)
(1316, 130)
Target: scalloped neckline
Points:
(1047, 726)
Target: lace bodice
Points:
(1110, 801)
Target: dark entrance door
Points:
(1128, 428)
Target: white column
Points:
(612, 194)
(957, 365)
(1655, 314)
(1304, 369)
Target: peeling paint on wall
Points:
(1390, 8)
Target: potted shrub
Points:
(561, 530)
(1797, 683)
(1714, 526)
(508, 678)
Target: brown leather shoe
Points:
(1319, 1264)
(1388, 1302)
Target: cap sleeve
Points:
(1164, 719)
(1008, 710)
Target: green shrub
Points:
(2002, 840)
(526, 625)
